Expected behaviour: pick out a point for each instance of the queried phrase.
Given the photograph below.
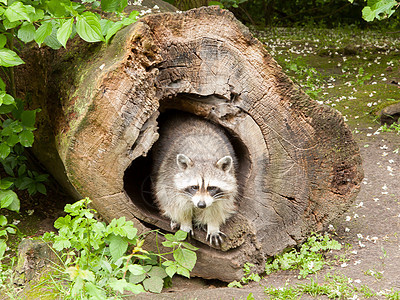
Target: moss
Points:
(43, 288)
(350, 70)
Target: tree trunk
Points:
(298, 166)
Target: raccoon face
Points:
(205, 182)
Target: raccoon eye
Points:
(194, 188)
(213, 190)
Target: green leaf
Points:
(136, 269)
(9, 200)
(185, 257)
(236, 284)
(136, 278)
(122, 227)
(9, 25)
(64, 32)
(113, 30)
(378, 9)
(21, 169)
(7, 99)
(153, 284)
(3, 247)
(41, 188)
(26, 138)
(118, 246)
(42, 32)
(28, 118)
(5, 184)
(3, 41)
(61, 243)
(169, 244)
(171, 270)
(158, 272)
(135, 288)
(9, 58)
(105, 26)
(52, 41)
(4, 150)
(56, 8)
(88, 27)
(113, 5)
(2, 85)
(189, 246)
(181, 235)
(62, 222)
(37, 15)
(18, 11)
(3, 221)
(183, 271)
(27, 32)
(210, 3)
(5, 109)
(170, 237)
(367, 14)
(95, 292)
(118, 285)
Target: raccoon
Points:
(193, 175)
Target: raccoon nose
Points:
(201, 204)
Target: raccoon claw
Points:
(174, 225)
(188, 229)
(215, 238)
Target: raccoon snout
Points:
(201, 204)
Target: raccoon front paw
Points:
(215, 237)
(188, 229)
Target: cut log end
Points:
(298, 168)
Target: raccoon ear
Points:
(183, 161)
(225, 163)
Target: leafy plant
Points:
(50, 23)
(374, 273)
(286, 292)
(103, 261)
(378, 9)
(334, 287)
(362, 77)
(10, 201)
(393, 295)
(309, 78)
(393, 127)
(247, 277)
(308, 260)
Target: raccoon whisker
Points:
(220, 195)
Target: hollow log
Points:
(102, 106)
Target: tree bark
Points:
(299, 167)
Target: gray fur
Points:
(192, 152)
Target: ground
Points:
(357, 73)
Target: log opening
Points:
(137, 180)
